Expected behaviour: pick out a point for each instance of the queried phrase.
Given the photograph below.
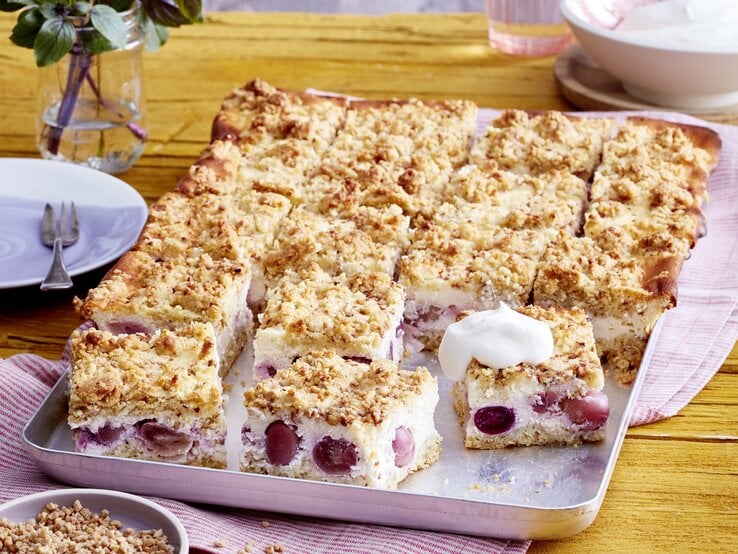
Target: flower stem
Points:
(79, 66)
(137, 131)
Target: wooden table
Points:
(674, 487)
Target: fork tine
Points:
(74, 231)
(63, 221)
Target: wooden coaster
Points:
(589, 87)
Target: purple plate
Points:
(111, 215)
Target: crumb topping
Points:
(78, 529)
(322, 385)
(368, 239)
(536, 144)
(317, 309)
(575, 271)
(171, 373)
(169, 292)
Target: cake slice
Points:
(656, 158)
(555, 401)
(258, 112)
(141, 294)
(367, 239)
(358, 316)
(443, 276)
(637, 230)
(152, 397)
(623, 295)
(533, 144)
(331, 419)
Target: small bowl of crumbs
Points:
(89, 520)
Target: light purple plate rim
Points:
(111, 213)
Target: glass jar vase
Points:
(91, 106)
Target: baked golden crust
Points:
(367, 239)
(258, 110)
(658, 164)
(575, 271)
(215, 171)
(316, 309)
(171, 374)
(238, 228)
(322, 385)
(574, 355)
(639, 230)
(502, 267)
(536, 144)
(170, 293)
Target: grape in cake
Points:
(143, 294)
(367, 239)
(152, 397)
(623, 295)
(331, 419)
(558, 400)
(534, 144)
(358, 316)
(443, 276)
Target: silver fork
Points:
(65, 233)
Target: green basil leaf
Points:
(191, 9)
(53, 41)
(156, 35)
(28, 26)
(95, 43)
(49, 11)
(110, 24)
(13, 5)
(164, 12)
(81, 8)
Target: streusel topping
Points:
(322, 385)
(169, 292)
(537, 144)
(317, 309)
(171, 373)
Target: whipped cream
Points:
(495, 338)
(679, 23)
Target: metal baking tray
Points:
(517, 493)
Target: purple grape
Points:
(282, 443)
(164, 441)
(335, 456)
(546, 401)
(404, 446)
(494, 420)
(589, 411)
(127, 327)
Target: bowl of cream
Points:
(674, 53)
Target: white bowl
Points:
(132, 511)
(688, 77)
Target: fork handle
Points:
(58, 277)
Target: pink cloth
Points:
(696, 339)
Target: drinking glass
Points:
(527, 27)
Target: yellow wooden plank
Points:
(664, 497)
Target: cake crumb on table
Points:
(265, 524)
(220, 543)
(275, 549)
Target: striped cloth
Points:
(695, 340)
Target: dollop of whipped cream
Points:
(495, 338)
(675, 23)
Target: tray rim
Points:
(581, 514)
